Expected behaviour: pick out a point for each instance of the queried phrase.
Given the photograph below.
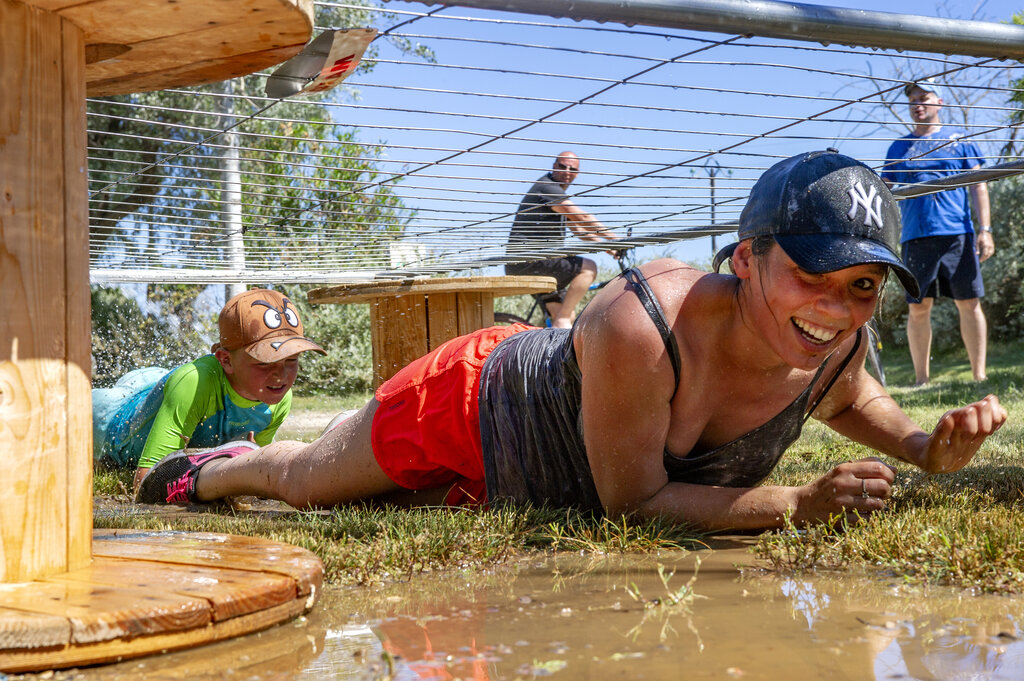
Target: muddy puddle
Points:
(615, 617)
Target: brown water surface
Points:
(613, 617)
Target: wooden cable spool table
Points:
(69, 596)
(410, 317)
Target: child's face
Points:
(258, 381)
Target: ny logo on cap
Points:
(871, 201)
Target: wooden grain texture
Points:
(402, 323)
(28, 630)
(173, 43)
(77, 304)
(162, 591)
(98, 612)
(215, 550)
(470, 310)
(442, 318)
(230, 593)
(34, 525)
(22, 660)
(364, 292)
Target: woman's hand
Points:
(959, 434)
(861, 486)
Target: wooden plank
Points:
(78, 317)
(33, 382)
(207, 26)
(470, 311)
(364, 292)
(442, 319)
(487, 311)
(231, 593)
(183, 42)
(378, 342)
(104, 81)
(101, 613)
(215, 550)
(404, 327)
(20, 629)
(22, 660)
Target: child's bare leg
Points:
(336, 468)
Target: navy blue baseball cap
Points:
(827, 212)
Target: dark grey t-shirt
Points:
(536, 222)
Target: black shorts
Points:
(944, 266)
(564, 270)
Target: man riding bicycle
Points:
(540, 221)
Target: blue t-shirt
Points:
(911, 160)
(151, 412)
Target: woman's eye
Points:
(865, 284)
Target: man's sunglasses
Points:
(565, 166)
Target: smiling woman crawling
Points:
(675, 394)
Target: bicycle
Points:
(625, 260)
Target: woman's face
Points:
(805, 316)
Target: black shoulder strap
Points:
(836, 375)
(644, 293)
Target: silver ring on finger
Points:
(864, 488)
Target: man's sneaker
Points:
(173, 479)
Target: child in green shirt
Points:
(241, 391)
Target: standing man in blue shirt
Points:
(940, 242)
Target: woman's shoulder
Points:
(677, 287)
(676, 283)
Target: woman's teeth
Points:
(817, 334)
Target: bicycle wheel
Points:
(509, 318)
(874, 346)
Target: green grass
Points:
(964, 529)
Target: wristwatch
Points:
(985, 229)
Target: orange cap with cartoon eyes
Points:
(265, 324)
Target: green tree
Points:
(158, 199)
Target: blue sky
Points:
(403, 104)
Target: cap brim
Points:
(820, 253)
(281, 347)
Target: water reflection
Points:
(574, 617)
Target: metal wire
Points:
(416, 165)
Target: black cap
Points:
(827, 212)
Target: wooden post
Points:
(45, 407)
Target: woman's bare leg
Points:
(336, 468)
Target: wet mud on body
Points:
(622, 617)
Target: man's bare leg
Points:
(974, 330)
(562, 315)
(919, 338)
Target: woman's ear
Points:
(742, 259)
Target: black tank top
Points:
(532, 431)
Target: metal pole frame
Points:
(787, 20)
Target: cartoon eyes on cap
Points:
(272, 318)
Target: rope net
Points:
(416, 164)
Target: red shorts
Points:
(426, 430)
